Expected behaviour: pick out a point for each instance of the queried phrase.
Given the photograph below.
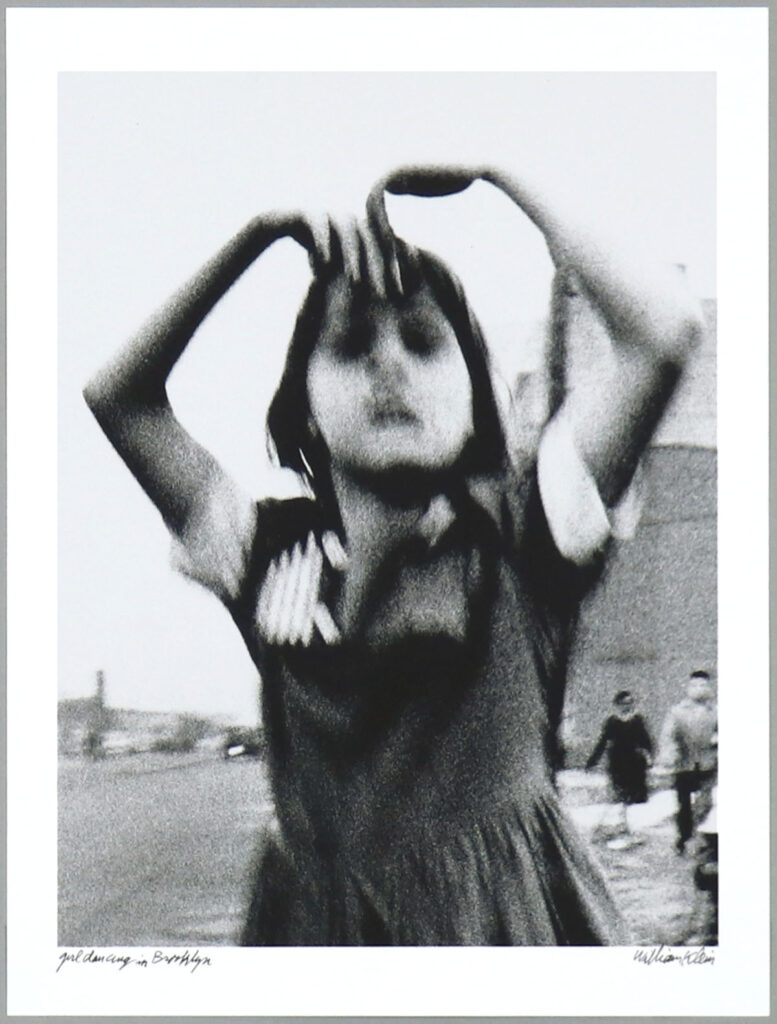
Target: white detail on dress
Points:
(288, 608)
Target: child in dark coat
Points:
(629, 748)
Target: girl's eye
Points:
(419, 340)
(352, 343)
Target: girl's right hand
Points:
(313, 234)
(349, 246)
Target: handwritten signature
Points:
(666, 955)
(122, 960)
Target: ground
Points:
(653, 886)
(156, 850)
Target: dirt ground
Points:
(653, 885)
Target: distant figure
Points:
(93, 744)
(689, 746)
(629, 748)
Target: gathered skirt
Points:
(516, 878)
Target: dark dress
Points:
(412, 763)
(627, 742)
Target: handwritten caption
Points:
(667, 955)
(187, 959)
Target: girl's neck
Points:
(376, 507)
(377, 512)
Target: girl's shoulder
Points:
(234, 538)
(528, 530)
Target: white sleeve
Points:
(578, 520)
(216, 544)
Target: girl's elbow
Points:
(681, 336)
(691, 332)
(101, 398)
(94, 396)
(113, 396)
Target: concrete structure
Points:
(654, 617)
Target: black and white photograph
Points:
(388, 521)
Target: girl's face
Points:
(388, 386)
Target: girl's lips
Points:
(388, 417)
(389, 409)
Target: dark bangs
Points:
(289, 413)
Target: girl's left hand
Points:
(415, 180)
(430, 179)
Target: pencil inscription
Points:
(192, 960)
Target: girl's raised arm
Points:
(653, 321)
(128, 396)
(654, 324)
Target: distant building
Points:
(129, 730)
(654, 617)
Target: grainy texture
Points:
(130, 876)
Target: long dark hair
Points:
(288, 418)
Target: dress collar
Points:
(481, 490)
(486, 491)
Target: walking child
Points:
(411, 616)
(689, 746)
(629, 748)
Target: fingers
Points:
(364, 255)
(347, 232)
(361, 255)
(380, 230)
(313, 233)
(322, 244)
(372, 264)
(364, 251)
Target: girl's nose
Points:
(388, 352)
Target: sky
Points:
(157, 170)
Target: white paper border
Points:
(731, 42)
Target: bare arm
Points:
(128, 396)
(654, 325)
(652, 320)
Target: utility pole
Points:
(93, 741)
